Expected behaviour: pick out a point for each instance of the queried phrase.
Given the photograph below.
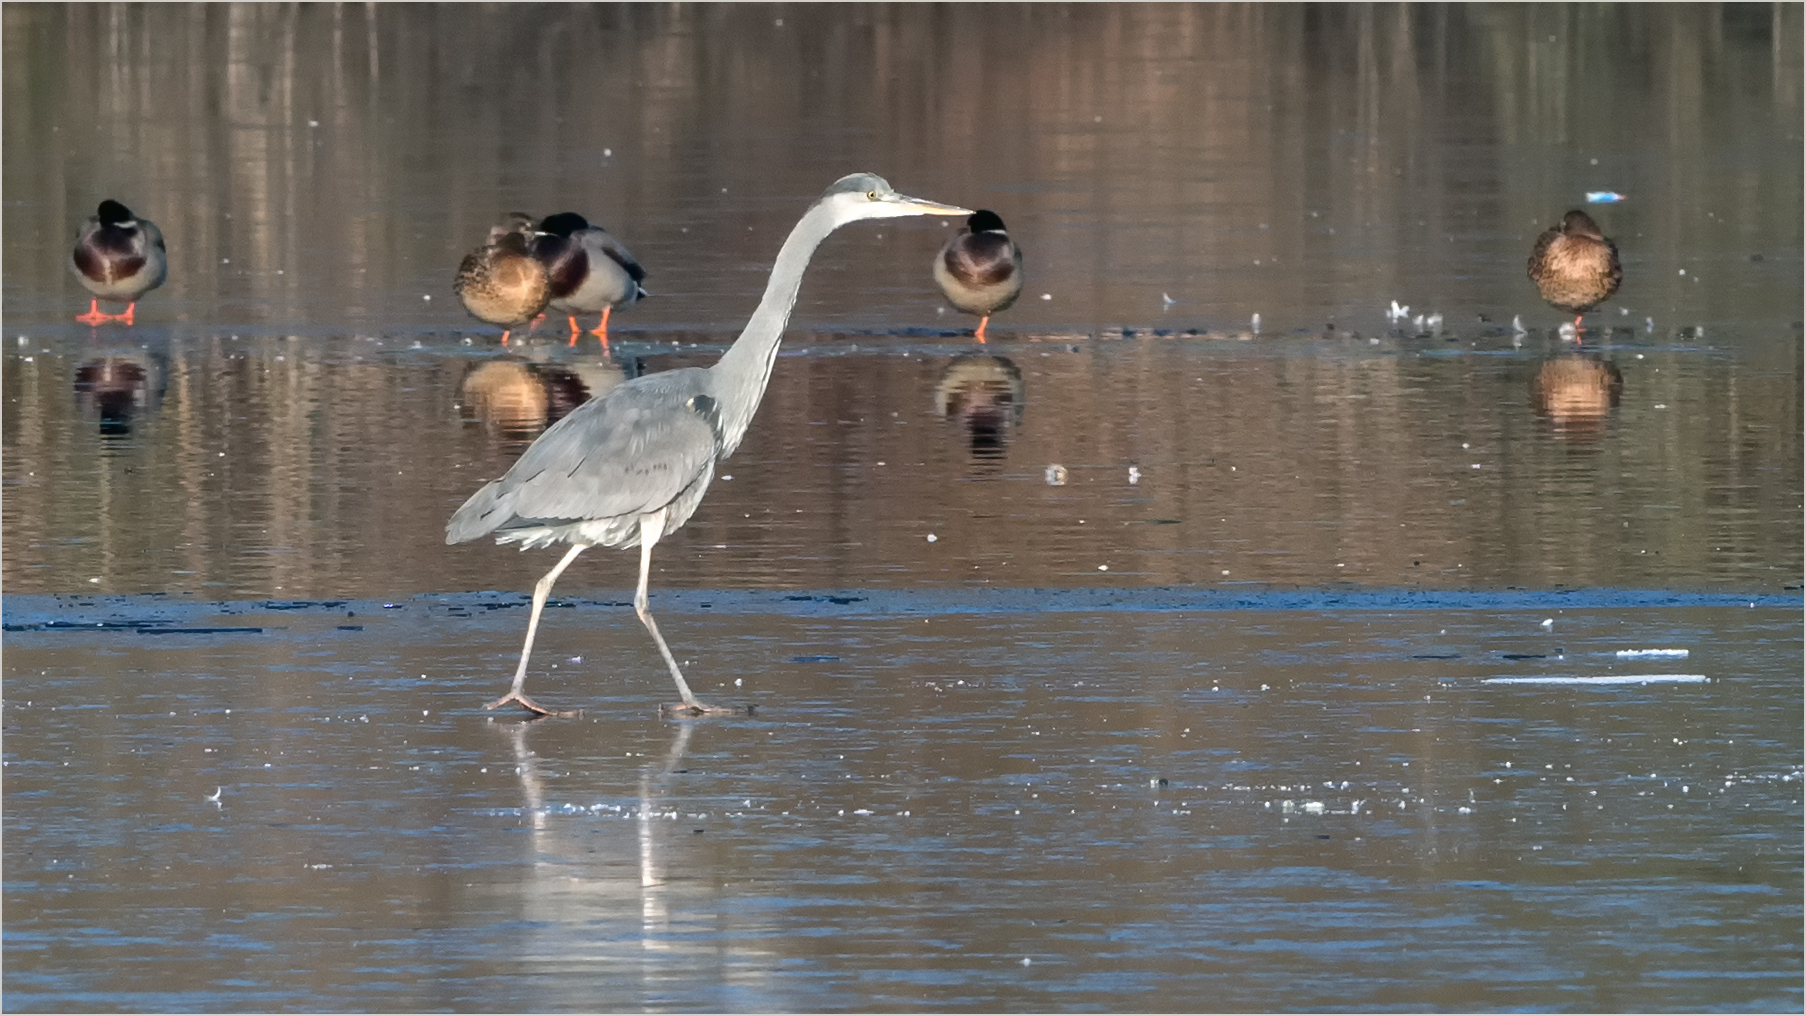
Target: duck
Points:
(590, 271)
(980, 268)
(119, 257)
(1575, 266)
(502, 282)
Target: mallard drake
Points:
(502, 282)
(980, 269)
(1574, 266)
(119, 257)
(590, 271)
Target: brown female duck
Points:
(1574, 266)
(502, 282)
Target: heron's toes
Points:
(692, 709)
(530, 705)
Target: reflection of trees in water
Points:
(116, 389)
(1576, 394)
(515, 399)
(985, 395)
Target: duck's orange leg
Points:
(94, 316)
(575, 329)
(505, 332)
(601, 329)
(980, 334)
(126, 318)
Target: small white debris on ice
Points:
(1313, 807)
(1398, 313)
(1256, 324)
(1568, 334)
(1134, 476)
(1548, 622)
(1676, 654)
(1517, 324)
(1046, 296)
(1605, 679)
(1166, 301)
(1603, 197)
(1026, 961)
(1056, 475)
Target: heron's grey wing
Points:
(633, 450)
(615, 251)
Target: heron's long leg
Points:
(541, 591)
(652, 527)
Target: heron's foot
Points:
(694, 709)
(530, 705)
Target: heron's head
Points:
(866, 196)
(563, 224)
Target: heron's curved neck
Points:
(740, 376)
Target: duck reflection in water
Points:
(115, 389)
(985, 395)
(1576, 394)
(514, 398)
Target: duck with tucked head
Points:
(1574, 266)
(502, 282)
(589, 270)
(119, 257)
(980, 268)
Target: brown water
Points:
(1275, 564)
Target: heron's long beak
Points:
(922, 206)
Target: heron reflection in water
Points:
(985, 396)
(631, 466)
(1576, 394)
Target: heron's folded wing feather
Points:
(633, 450)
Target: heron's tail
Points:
(479, 515)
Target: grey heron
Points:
(980, 268)
(630, 466)
(1574, 266)
(591, 271)
(119, 257)
(502, 282)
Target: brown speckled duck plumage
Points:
(1574, 266)
(502, 282)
